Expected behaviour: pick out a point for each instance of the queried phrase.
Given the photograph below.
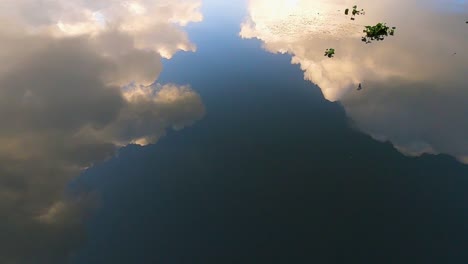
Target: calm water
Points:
(274, 173)
(180, 132)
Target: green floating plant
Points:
(354, 12)
(377, 32)
(329, 52)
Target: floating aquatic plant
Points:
(329, 52)
(377, 32)
(354, 12)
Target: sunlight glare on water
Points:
(294, 19)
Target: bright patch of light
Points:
(78, 28)
(293, 19)
(135, 8)
(99, 18)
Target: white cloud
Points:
(153, 25)
(76, 83)
(414, 89)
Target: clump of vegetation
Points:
(377, 32)
(354, 12)
(329, 52)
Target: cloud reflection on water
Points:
(76, 83)
(414, 86)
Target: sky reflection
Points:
(77, 82)
(99, 115)
(414, 85)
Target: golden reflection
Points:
(402, 77)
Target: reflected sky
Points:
(77, 82)
(414, 85)
(161, 131)
(274, 173)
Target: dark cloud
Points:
(64, 108)
(398, 111)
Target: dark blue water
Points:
(273, 174)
